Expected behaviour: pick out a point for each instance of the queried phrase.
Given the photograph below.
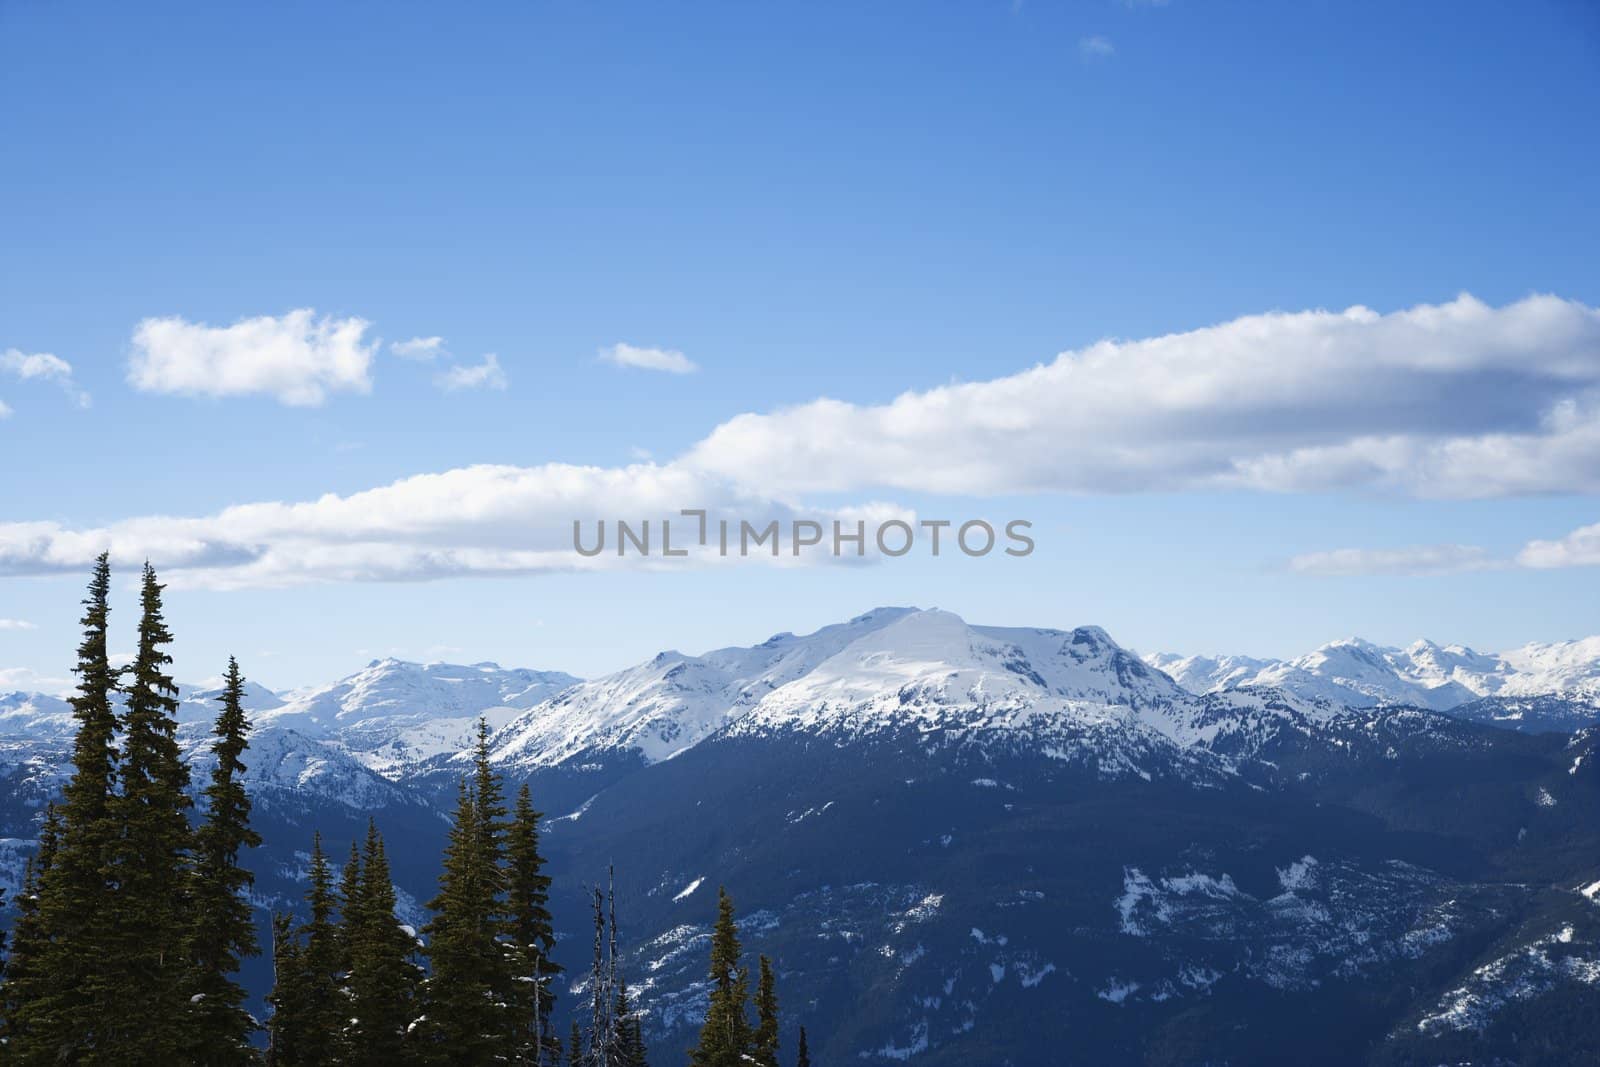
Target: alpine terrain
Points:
(966, 844)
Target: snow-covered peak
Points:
(889, 667)
(389, 688)
(203, 704)
(1571, 668)
(287, 760)
(35, 715)
(1357, 672)
(1205, 674)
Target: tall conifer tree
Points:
(308, 1000)
(630, 1033)
(532, 935)
(145, 960)
(725, 1038)
(222, 931)
(803, 1056)
(288, 1027)
(575, 1056)
(61, 997)
(383, 978)
(25, 985)
(766, 1035)
(466, 1024)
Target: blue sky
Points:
(806, 200)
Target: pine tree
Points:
(630, 1033)
(383, 977)
(466, 1024)
(803, 1057)
(288, 1026)
(60, 994)
(532, 935)
(575, 1056)
(307, 998)
(349, 905)
(145, 959)
(222, 930)
(24, 987)
(322, 952)
(766, 1035)
(725, 1038)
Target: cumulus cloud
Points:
(1415, 559)
(1096, 47)
(1580, 548)
(1451, 400)
(43, 367)
(298, 358)
(418, 348)
(481, 520)
(16, 624)
(662, 359)
(485, 375)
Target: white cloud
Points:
(1415, 559)
(5, 410)
(662, 359)
(1580, 548)
(1096, 47)
(41, 366)
(16, 624)
(1450, 400)
(418, 348)
(297, 358)
(1454, 400)
(485, 375)
(482, 520)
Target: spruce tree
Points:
(466, 1024)
(61, 996)
(222, 931)
(145, 960)
(322, 963)
(803, 1056)
(308, 1002)
(349, 905)
(575, 1056)
(630, 1033)
(532, 935)
(383, 976)
(288, 1027)
(725, 1038)
(24, 984)
(766, 1035)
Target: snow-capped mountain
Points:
(34, 715)
(393, 713)
(40, 715)
(1016, 840)
(1358, 673)
(888, 671)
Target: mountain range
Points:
(977, 844)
